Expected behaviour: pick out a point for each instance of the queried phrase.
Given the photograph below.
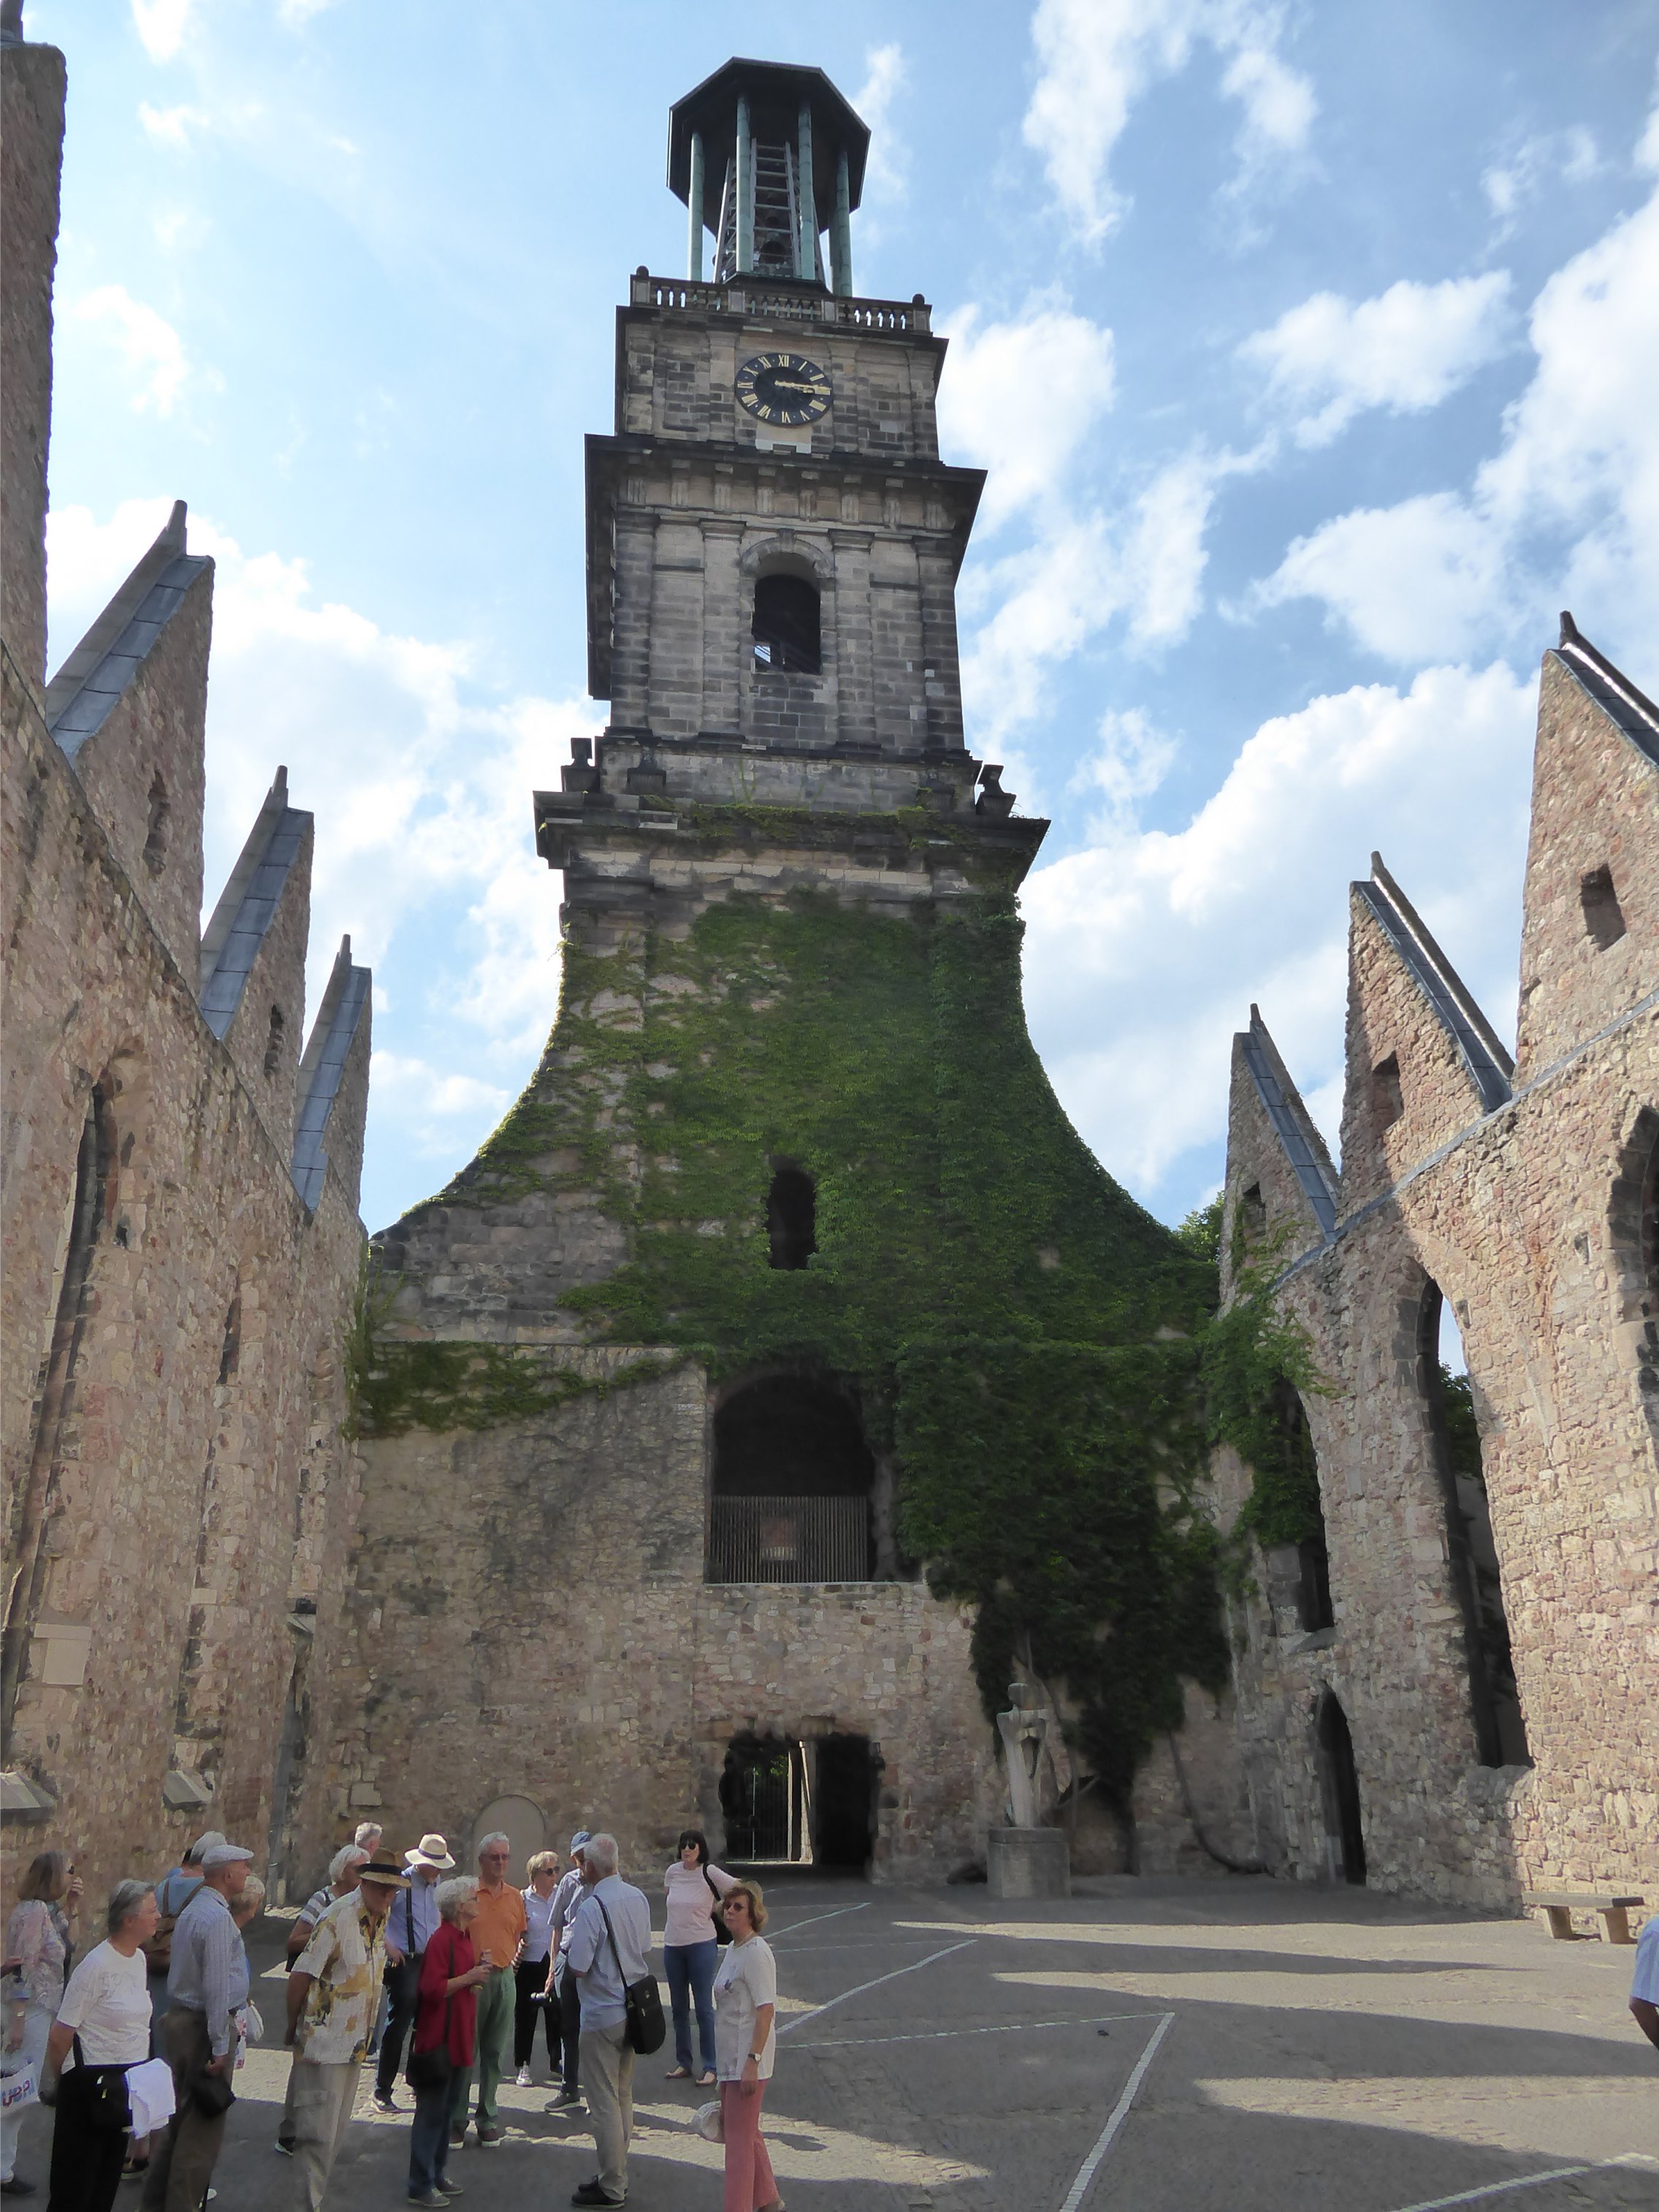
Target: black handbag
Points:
(106, 2091)
(722, 1933)
(211, 2093)
(646, 2028)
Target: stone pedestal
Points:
(1027, 1862)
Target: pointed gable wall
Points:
(1278, 1168)
(253, 960)
(1423, 1060)
(334, 1085)
(129, 710)
(1589, 933)
(32, 86)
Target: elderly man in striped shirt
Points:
(207, 1983)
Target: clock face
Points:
(784, 388)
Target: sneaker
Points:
(591, 2193)
(448, 2188)
(382, 2104)
(566, 2097)
(489, 2134)
(286, 2150)
(523, 2081)
(18, 2187)
(457, 2138)
(432, 2196)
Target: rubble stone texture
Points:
(1527, 1199)
(178, 1494)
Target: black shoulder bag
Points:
(643, 2000)
(722, 1933)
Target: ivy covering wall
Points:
(1019, 1332)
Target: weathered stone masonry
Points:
(180, 1266)
(1525, 1195)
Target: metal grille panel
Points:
(789, 1539)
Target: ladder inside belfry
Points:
(776, 226)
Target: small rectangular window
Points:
(1387, 1100)
(1604, 918)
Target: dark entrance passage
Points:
(792, 1480)
(1338, 1782)
(765, 1801)
(844, 1813)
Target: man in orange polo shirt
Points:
(497, 1938)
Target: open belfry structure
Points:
(1448, 1679)
(182, 1251)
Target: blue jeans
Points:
(691, 1980)
(429, 2139)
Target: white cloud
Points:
(294, 14)
(1144, 951)
(1096, 58)
(1566, 512)
(886, 170)
(161, 25)
(1407, 351)
(170, 127)
(1415, 582)
(1019, 398)
(421, 792)
(151, 351)
(1569, 156)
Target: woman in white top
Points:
(105, 2019)
(535, 1960)
(746, 2001)
(690, 1950)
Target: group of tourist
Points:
(430, 1973)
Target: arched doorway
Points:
(1338, 1788)
(521, 1821)
(791, 1485)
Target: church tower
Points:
(772, 541)
(698, 1410)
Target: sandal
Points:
(707, 2081)
(678, 2074)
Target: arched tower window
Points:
(274, 1041)
(791, 1218)
(787, 627)
(1312, 1595)
(1455, 1436)
(156, 840)
(792, 1486)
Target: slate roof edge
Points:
(1440, 984)
(1304, 1147)
(85, 660)
(332, 1035)
(1629, 710)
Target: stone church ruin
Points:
(784, 1378)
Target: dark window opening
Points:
(786, 627)
(1387, 1100)
(155, 841)
(1455, 1436)
(1252, 1214)
(1339, 1787)
(765, 1801)
(1604, 917)
(792, 1487)
(1299, 1575)
(230, 1351)
(274, 1041)
(791, 1218)
(844, 1801)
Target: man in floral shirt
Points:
(333, 1999)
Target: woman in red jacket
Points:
(446, 2016)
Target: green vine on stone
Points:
(1254, 1354)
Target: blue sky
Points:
(1310, 348)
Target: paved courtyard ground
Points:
(1164, 2046)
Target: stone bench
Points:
(1560, 1905)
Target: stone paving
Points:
(1257, 2045)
